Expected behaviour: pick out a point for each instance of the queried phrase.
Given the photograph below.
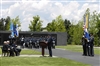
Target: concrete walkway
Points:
(31, 56)
(76, 56)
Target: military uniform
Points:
(84, 46)
(91, 45)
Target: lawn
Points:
(78, 48)
(28, 52)
(38, 61)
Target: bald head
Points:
(8, 42)
(5, 42)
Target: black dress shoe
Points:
(92, 55)
(49, 56)
(82, 54)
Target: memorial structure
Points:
(60, 37)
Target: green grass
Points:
(30, 52)
(38, 61)
(78, 48)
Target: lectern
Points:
(43, 46)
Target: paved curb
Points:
(32, 56)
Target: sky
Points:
(48, 10)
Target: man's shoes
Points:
(92, 55)
(84, 55)
(49, 56)
(43, 56)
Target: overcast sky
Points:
(46, 9)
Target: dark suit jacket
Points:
(5, 47)
(91, 40)
(49, 42)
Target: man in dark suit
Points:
(5, 48)
(84, 45)
(49, 42)
(91, 45)
(11, 48)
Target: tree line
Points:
(74, 31)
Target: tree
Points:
(16, 21)
(51, 27)
(7, 23)
(75, 33)
(97, 39)
(98, 25)
(36, 24)
(57, 25)
(67, 26)
(2, 26)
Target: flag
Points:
(11, 28)
(87, 20)
(86, 34)
(12, 34)
(85, 27)
(14, 30)
(17, 32)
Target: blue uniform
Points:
(50, 46)
(91, 46)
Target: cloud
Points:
(11, 0)
(92, 0)
(26, 9)
(91, 6)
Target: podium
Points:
(43, 46)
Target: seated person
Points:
(16, 49)
(11, 48)
(5, 48)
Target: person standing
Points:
(22, 41)
(49, 42)
(88, 47)
(91, 45)
(84, 46)
(87, 38)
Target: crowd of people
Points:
(10, 46)
(12, 49)
(88, 44)
(33, 42)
